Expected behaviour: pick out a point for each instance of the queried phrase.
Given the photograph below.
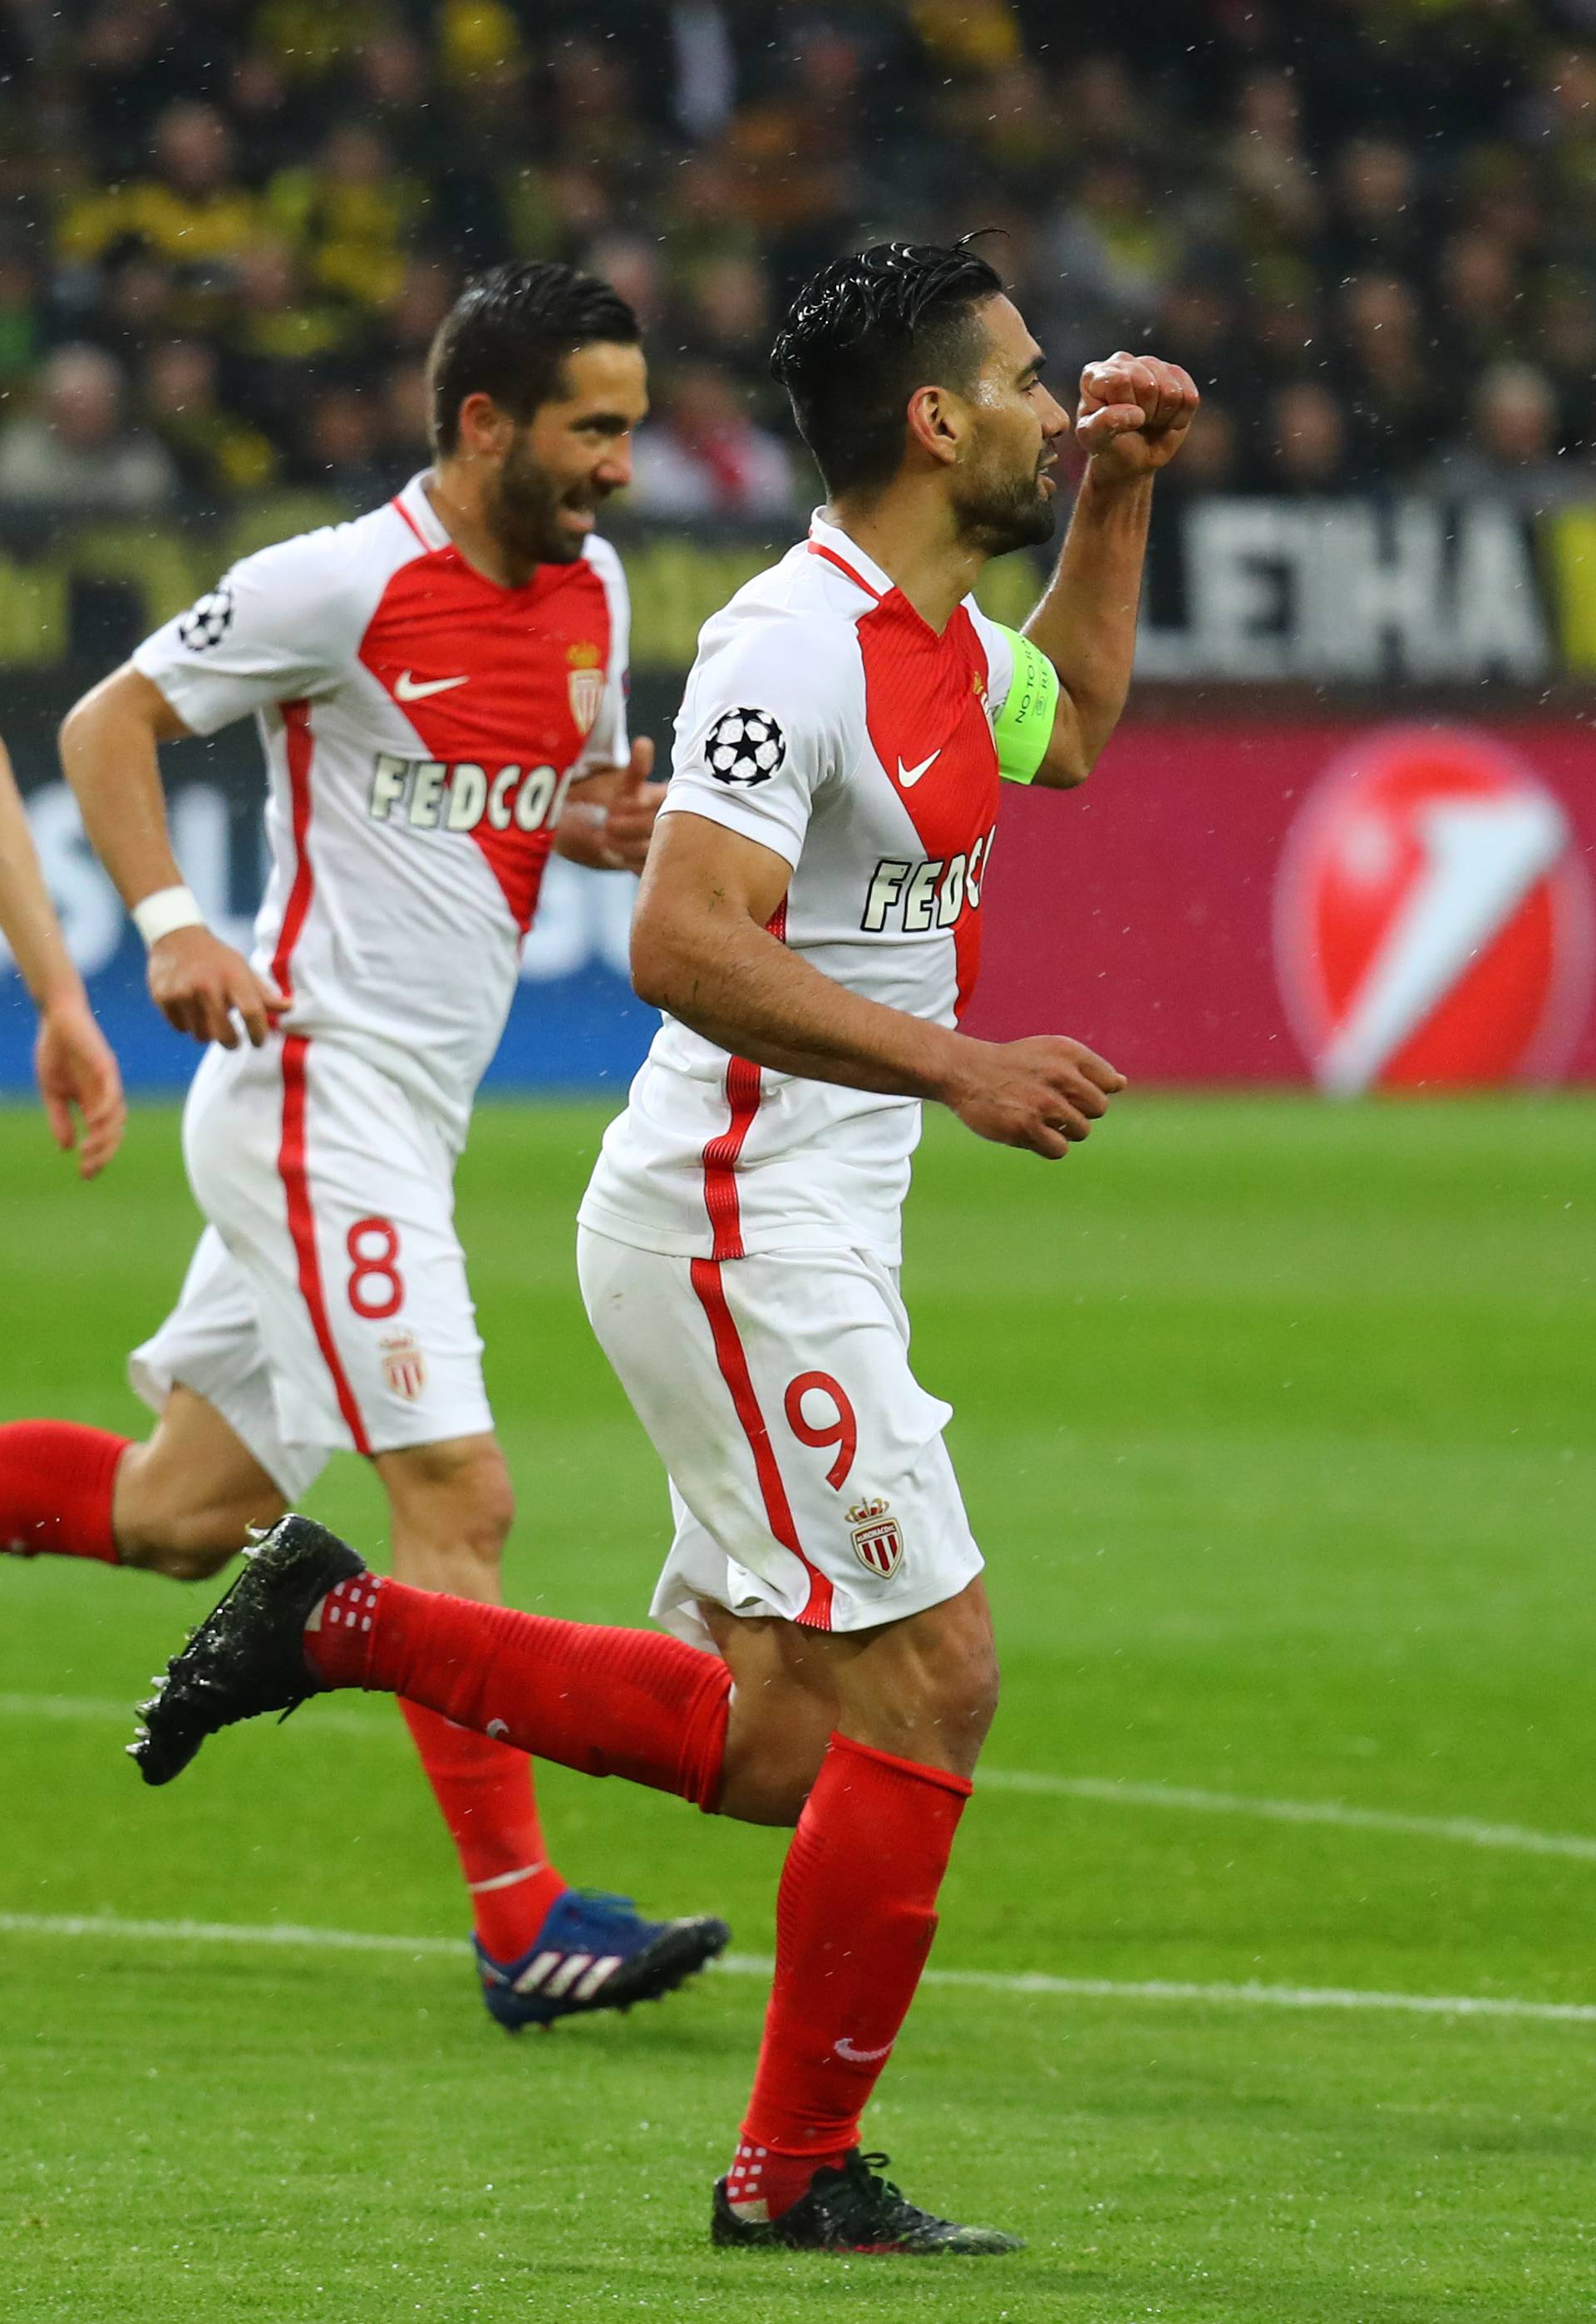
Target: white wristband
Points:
(166, 910)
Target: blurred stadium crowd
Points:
(228, 231)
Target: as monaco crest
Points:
(586, 685)
(878, 1543)
(403, 1366)
(1433, 924)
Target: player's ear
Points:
(485, 427)
(936, 419)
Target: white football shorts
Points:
(808, 1478)
(326, 1307)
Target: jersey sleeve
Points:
(764, 725)
(281, 625)
(607, 743)
(1022, 690)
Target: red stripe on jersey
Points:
(301, 750)
(409, 520)
(816, 548)
(722, 1154)
(734, 1371)
(291, 1164)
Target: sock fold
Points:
(57, 1480)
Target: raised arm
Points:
(1131, 420)
(72, 1060)
(109, 744)
(702, 950)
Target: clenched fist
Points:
(1133, 414)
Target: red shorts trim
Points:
(734, 1371)
(290, 1164)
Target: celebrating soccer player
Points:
(73, 1061)
(809, 922)
(440, 692)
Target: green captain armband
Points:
(1023, 727)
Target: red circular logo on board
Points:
(1433, 921)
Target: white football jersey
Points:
(826, 720)
(420, 724)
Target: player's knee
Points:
(489, 1506)
(967, 1695)
(934, 1694)
(486, 1525)
(953, 1697)
(460, 1496)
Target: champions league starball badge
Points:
(207, 622)
(744, 747)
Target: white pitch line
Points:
(1104, 1791)
(224, 1932)
(1471, 1833)
(276, 1935)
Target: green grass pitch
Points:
(1275, 1422)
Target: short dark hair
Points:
(508, 333)
(863, 333)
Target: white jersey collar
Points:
(421, 513)
(840, 545)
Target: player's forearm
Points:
(1086, 624)
(108, 748)
(743, 989)
(582, 835)
(582, 832)
(27, 917)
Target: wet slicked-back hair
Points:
(508, 333)
(863, 333)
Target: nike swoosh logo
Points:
(910, 776)
(417, 689)
(845, 2048)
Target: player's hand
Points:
(197, 982)
(1133, 414)
(1042, 1093)
(634, 804)
(76, 1073)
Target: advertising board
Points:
(1369, 905)
(1364, 903)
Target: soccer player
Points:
(440, 692)
(810, 920)
(73, 1061)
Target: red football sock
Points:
(485, 1792)
(56, 1482)
(607, 1702)
(855, 1919)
